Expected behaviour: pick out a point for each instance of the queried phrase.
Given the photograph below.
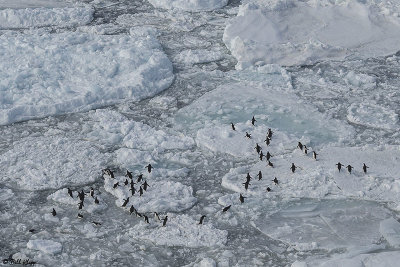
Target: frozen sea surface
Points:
(104, 84)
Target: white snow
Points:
(390, 230)
(189, 5)
(43, 16)
(161, 196)
(46, 246)
(5, 193)
(32, 3)
(190, 56)
(45, 74)
(37, 163)
(181, 230)
(304, 32)
(373, 115)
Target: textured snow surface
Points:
(189, 5)
(51, 162)
(70, 72)
(38, 17)
(181, 230)
(47, 246)
(390, 230)
(304, 32)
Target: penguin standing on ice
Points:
(70, 192)
(96, 201)
(133, 190)
(91, 192)
(165, 221)
(129, 174)
(241, 198)
(257, 148)
(365, 167)
(125, 202)
(339, 166)
(233, 126)
(131, 209)
(305, 149)
(145, 185)
(270, 132)
(226, 208)
(261, 155)
(293, 168)
(248, 177)
(248, 135)
(300, 145)
(80, 216)
(349, 168)
(149, 168)
(157, 217)
(259, 175)
(140, 191)
(270, 164)
(80, 205)
(54, 213)
(116, 185)
(146, 219)
(108, 172)
(202, 219)
(246, 185)
(275, 181)
(140, 178)
(314, 154)
(268, 156)
(269, 189)
(126, 182)
(267, 141)
(253, 120)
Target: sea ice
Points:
(189, 5)
(72, 71)
(373, 115)
(190, 57)
(390, 230)
(51, 162)
(304, 32)
(47, 246)
(181, 230)
(43, 16)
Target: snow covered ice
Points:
(93, 91)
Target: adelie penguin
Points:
(129, 174)
(259, 175)
(233, 126)
(108, 172)
(116, 185)
(146, 219)
(70, 192)
(261, 155)
(53, 212)
(132, 209)
(96, 201)
(267, 141)
(248, 177)
(365, 167)
(275, 181)
(165, 221)
(241, 198)
(145, 185)
(257, 148)
(248, 135)
(125, 202)
(140, 178)
(126, 182)
(246, 185)
(156, 217)
(349, 168)
(133, 190)
(268, 156)
(140, 191)
(339, 166)
(202, 219)
(300, 145)
(305, 149)
(314, 155)
(253, 120)
(91, 192)
(226, 208)
(269, 189)
(80, 216)
(96, 223)
(270, 164)
(80, 205)
(293, 168)
(149, 168)
(269, 134)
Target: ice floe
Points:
(189, 5)
(70, 72)
(181, 230)
(191, 56)
(390, 230)
(46, 246)
(44, 16)
(304, 32)
(51, 162)
(373, 115)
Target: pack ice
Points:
(304, 32)
(72, 71)
(189, 5)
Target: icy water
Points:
(319, 213)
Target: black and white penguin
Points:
(226, 208)
(202, 219)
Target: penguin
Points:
(80, 216)
(116, 185)
(125, 202)
(253, 120)
(149, 168)
(365, 167)
(269, 134)
(275, 181)
(96, 201)
(140, 191)
(248, 135)
(131, 209)
(54, 213)
(91, 192)
(128, 174)
(267, 141)
(259, 175)
(165, 221)
(241, 198)
(138, 214)
(157, 217)
(202, 219)
(349, 168)
(305, 149)
(314, 154)
(145, 185)
(108, 172)
(269, 189)
(96, 223)
(233, 126)
(270, 164)
(81, 196)
(146, 219)
(32, 230)
(226, 208)
(268, 156)
(246, 185)
(70, 192)
(248, 177)
(261, 155)
(293, 168)
(257, 148)
(339, 166)
(300, 145)
(133, 190)
(80, 205)
(140, 178)
(126, 182)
